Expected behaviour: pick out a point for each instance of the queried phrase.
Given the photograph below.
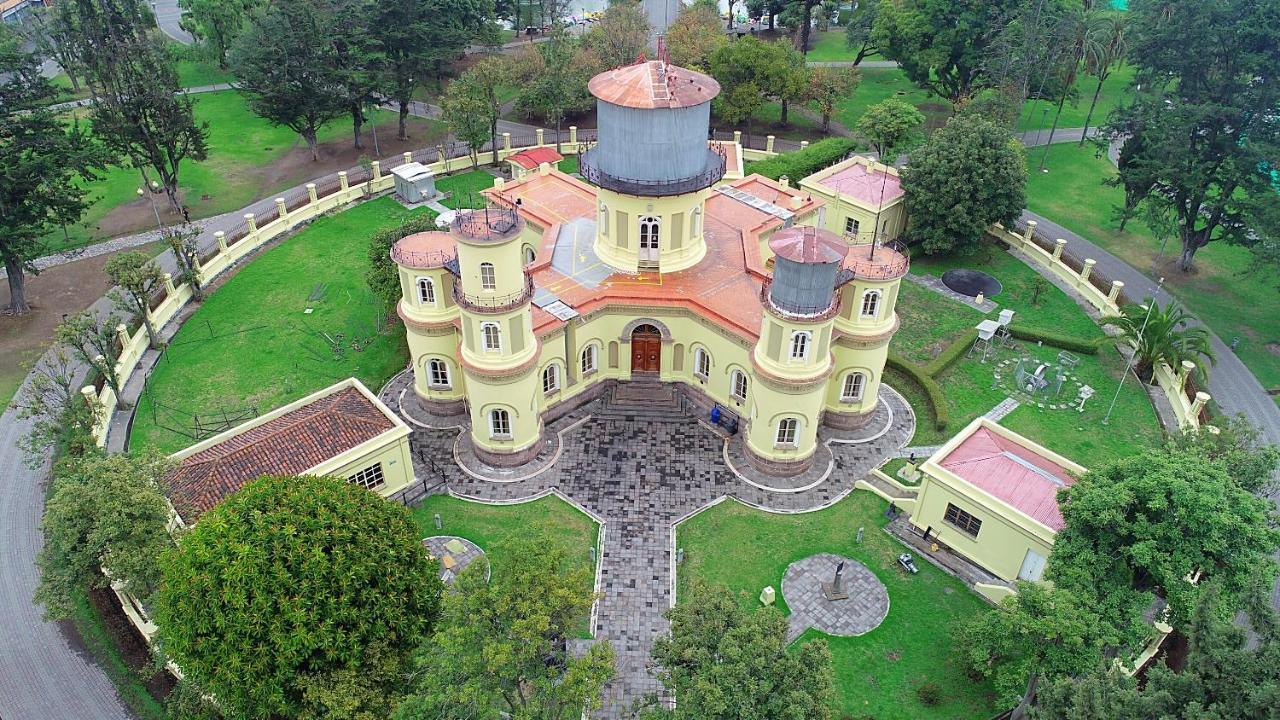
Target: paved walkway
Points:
(804, 589)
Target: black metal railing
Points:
(799, 311)
(884, 261)
(422, 259)
(494, 303)
(712, 173)
(490, 223)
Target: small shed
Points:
(414, 182)
(526, 161)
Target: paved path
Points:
(168, 17)
(850, 63)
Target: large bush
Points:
(383, 277)
(803, 163)
(297, 592)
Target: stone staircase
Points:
(645, 400)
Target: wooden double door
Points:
(646, 350)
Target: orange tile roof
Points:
(533, 157)
(287, 445)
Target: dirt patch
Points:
(132, 648)
(1273, 348)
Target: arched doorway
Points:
(646, 349)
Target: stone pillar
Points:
(282, 210)
(122, 336)
(1031, 230)
(376, 167)
(1114, 296)
(541, 135)
(1058, 246)
(168, 284)
(1087, 269)
(499, 183)
(221, 237)
(1202, 398)
(506, 141)
(737, 136)
(311, 193)
(768, 143)
(250, 222)
(544, 168)
(804, 144)
(573, 134)
(1184, 372)
(90, 395)
(784, 181)
(342, 179)
(408, 158)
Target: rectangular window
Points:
(962, 520)
(488, 280)
(499, 424)
(370, 478)
(739, 389)
(851, 227)
(787, 431)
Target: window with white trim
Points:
(854, 384)
(488, 280)
(851, 226)
(370, 478)
(426, 291)
(499, 423)
(800, 346)
(588, 359)
(491, 335)
(438, 372)
(649, 226)
(738, 385)
(551, 379)
(871, 303)
(701, 363)
(788, 428)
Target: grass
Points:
(1225, 288)
(829, 46)
(877, 673)
(569, 165)
(1114, 90)
(892, 467)
(250, 345)
(242, 151)
(464, 189)
(128, 682)
(880, 84)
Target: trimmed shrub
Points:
(1024, 332)
(950, 354)
(932, 390)
(803, 163)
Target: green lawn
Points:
(1225, 289)
(877, 673)
(568, 165)
(880, 84)
(829, 46)
(464, 189)
(767, 121)
(243, 166)
(1114, 90)
(249, 346)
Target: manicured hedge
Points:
(803, 163)
(950, 354)
(1065, 342)
(932, 390)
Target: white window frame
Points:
(855, 381)
(496, 345)
(701, 363)
(787, 433)
(872, 298)
(588, 359)
(488, 276)
(498, 418)
(801, 340)
(651, 229)
(551, 379)
(370, 478)
(738, 385)
(855, 223)
(426, 291)
(438, 373)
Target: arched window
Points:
(649, 235)
(604, 219)
(499, 423)
(800, 346)
(551, 379)
(588, 359)
(787, 431)
(701, 363)
(738, 385)
(529, 255)
(854, 384)
(488, 280)
(426, 291)
(491, 334)
(871, 303)
(438, 372)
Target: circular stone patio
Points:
(864, 609)
(455, 554)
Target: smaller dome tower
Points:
(429, 313)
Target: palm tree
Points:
(1103, 56)
(1167, 336)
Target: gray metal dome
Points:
(806, 264)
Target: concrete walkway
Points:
(850, 63)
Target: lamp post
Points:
(141, 193)
(1129, 365)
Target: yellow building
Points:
(861, 195)
(991, 495)
(654, 270)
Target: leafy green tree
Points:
(1148, 523)
(792, 82)
(941, 45)
(1041, 632)
(803, 23)
(383, 276)
(136, 277)
(1205, 121)
(104, 511)
(139, 113)
(1235, 444)
(490, 75)
(288, 69)
(50, 31)
(970, 174)
(747, 71)
(43, 166)
(621, 35)
(61, 419)
(553, 79)
(297, 592)
(464, 108)
(827, 86)
(90, 339)
(1163, 335)
(857, 30)
(217, 22)
(1103, 55)
(724, 662)
(886, 124)
(694, 36)
(360, 59)
(501, 647)
(183, 243)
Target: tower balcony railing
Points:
(876, 260)
(486, 303)
(423, 259)
(817, 312)
(713, 171)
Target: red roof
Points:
(874, 187)
(653, 84)
(287, 445)
(533, 157)
(1012, 472)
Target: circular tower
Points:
(793, 358)
(652, 165)
(429, 313)
(499, 350)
